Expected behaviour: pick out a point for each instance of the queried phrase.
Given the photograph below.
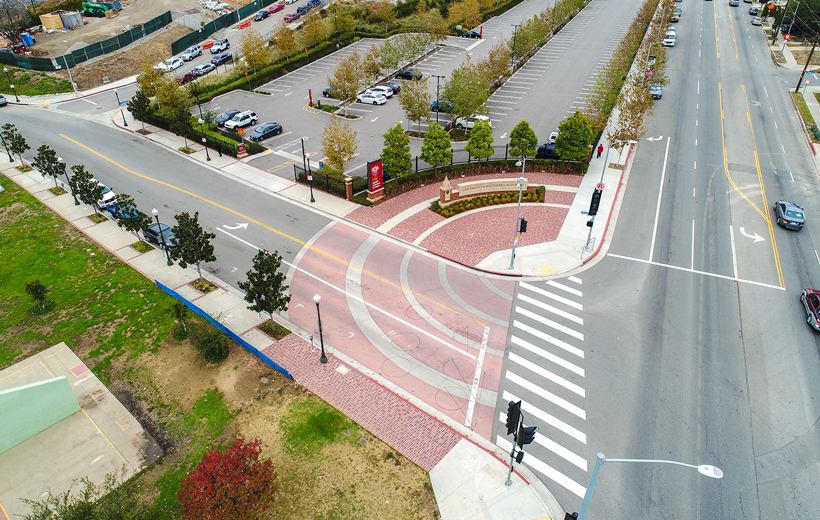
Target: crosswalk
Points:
(544, 368)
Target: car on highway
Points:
(669, 39)
(161, 235)
(191, 52)
(381, 89)
(292, 17)
(753, 11)
(261, 15)
(811, 301)
(220, 45)
(265, 130)
(547, 151)
(789, 215)
(242, 119)
(303, 9)
(469, 122)
(201, 70)
(656, 91)
(187, 77)
(395, 86)
(169, 64)
(276, 7)
(221, 59)
(224, 118)
(734, 3)
(409, 74)
(471, 34)
(757, 20)
(331, 92)
(373, 98)
(3, 100)
(442, 105)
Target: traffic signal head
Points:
(513, 416)
(523, 225)
(526, 434)
(594, 203)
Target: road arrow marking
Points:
(373, 119)
(654, 138)
(756, 237)
(243, 225)
(503, 136)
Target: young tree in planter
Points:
(84, 187)
(437, 147)
(265, 288)
(472, 13)
(231, 485)
(140, 107)
(46, 162)
(38, 291)
(346, 78)
(480, 144)
(148, 78)
(182, 122)
(254, 50)
(523, 141)
(396, 159)
(131, 219)
(496, 65)
(415, 100)
(193, 243)
(574, 137)
(339, 144)
(15, 140)
(467, 91)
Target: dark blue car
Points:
(441, 105)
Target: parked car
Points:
(201, 70)
(469, 122)
(221, 59)
(331, 92)
(669, 39)
(242, 119)
(471, 34)
(303, 9)
(373, 98)
(553, 136)
(656, 91)
(291, 1)
(292, 17)
(811, 301)
(315, 3)
(735, 3)
(276, 7)
(757, 20)
(224, 118)
(381, 89)
(220, 45)
(675, 18)
(442, 105)
(753, 11)
(789, 215)
(409, 74)
(265, 130)
(547, 151)
(169, 64)
(116, 211)
(108, 196)
(395, 86)
(261, 15)
(188, 77)
(191, 52)
(161, 235)
(3, 100)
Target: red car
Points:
(188, 77)
(811, 301)
(276, 7)
(291, 17)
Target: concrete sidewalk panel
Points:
(153, 264)
(84, 222)
(110, 235)
(65, 207)
(257, 338)
(189, 293)
(256, 177)
(127, 253)
(325, 201)
(234, 312)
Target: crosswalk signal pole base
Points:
(508, 483)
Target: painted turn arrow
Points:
(243, 225)
(654, 138)
(756, 237)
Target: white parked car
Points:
(108, 196)
(170, 64)
(384, 90)
(372, 98)
(242, 119)
(669, 40)
(291, 1)
(191, 52)
(553, 136)
(469, 122)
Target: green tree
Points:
(181, 122)
(437, 147)
(467, 90)
(47, 163)
(140, 107)
(472, 13)
(396, 159)
(85, 187)
(480, 144)
(193, 243)
(148, 78)
(496, 65)
(574, 137)
(386, 14)
(265, 289)
(254, 50)
(181, 312)
(415, 100)
(371, 64)
(214, 348)
(130, 218)
(284, 40)
(339, 144)
(15, 141)
(523, 141)
(314, 29)
(346, 79)
(38, 291)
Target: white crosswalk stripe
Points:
(545, 469)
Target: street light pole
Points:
(317, 299)
(703, 469)
(512, 54)
(6, 70)
(438, 98)
(67, 176)
(305, 163)
(204, 140)
(67, 68)
(124, 122)
(523, 164)
(162, 237)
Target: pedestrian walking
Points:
(600, 150)
(218, 147)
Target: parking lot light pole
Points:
(162, 237)
(204, 139)
(512, 54)
(438, 98)
(6, 70)
(317, 299)
(67, 176)
(119, 104)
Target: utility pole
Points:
(797, 89)
(782, 19)
(512, 54)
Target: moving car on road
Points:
(241, 120)
(656, 91)
(789, 215)
(811, 301)
(372, 98)
(265, 130)
(734, 3)
(191, 52)
(409, 74)
(220, 45)
(753, 11)
(757, 20)
(221, 59)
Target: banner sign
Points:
(650, 66)
(375, 176)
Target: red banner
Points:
(375, 176)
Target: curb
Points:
(617, 191)
(473, 267)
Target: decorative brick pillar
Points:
(348, 188)
(374, 196)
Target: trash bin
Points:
(319, 104)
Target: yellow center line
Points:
(732, 25)
(269, 228)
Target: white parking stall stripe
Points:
(549, 356)
(502, 101)
(542, 292)
(545, 469)
(549, 323)
(553, 446)
(544, 394)
(546, 374)
(549, 339)
(570, 290)
(506, 96)
(550, 308)
(558, 424)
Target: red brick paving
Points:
(411, 228)
(559, 197)
(413, 433)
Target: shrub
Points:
(214, 346)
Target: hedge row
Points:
(485, 200)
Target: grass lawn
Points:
(122, 326)
(808, 119)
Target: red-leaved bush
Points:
(234, 485)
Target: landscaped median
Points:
(809, 125)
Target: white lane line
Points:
(550, 308)
(775, 125)
(817, 256)
(694, 191)
(558, 424)
(546, 374)
(693, 245)
(714, 275)
(698, 86)
(549, 356)
(696, 142)
(565, 301)
(766, 91)
(553, 446)
(549, 339)
(660, 194)
(549, 323)
(782, 148)
(696, 165)
(549, 396)
(570, 290)
(350, 296)
(575, 279)
(477, 377)
(770, 110)
(734, 253)
(792, 176)
(546, 470)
